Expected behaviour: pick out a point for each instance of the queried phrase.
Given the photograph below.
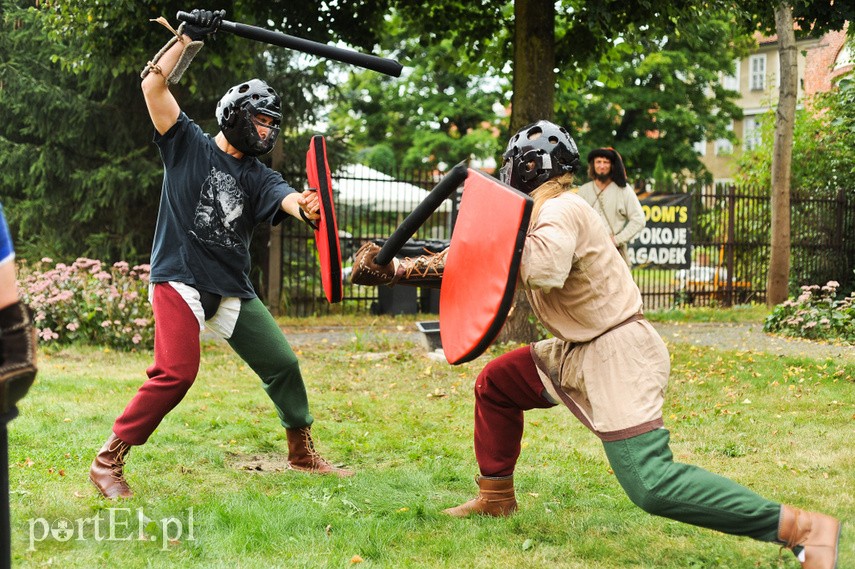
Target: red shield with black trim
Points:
(481, 268)
(326, 235)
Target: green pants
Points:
(258, 340)
(646, 470)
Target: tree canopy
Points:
(79, 173)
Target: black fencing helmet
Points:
(537, 153)
(237, 112)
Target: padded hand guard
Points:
(368, 273)
(187, 54)
(424, 270)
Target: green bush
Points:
(86, 302)
(815, 314)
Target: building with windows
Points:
(821, 61)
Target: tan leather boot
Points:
(495, 498)
(17, 356)
(303, 457)
(818, 534)
(107, 471)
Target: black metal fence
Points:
(729, 247)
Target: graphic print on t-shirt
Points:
(220, 206)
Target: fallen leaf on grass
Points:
(356, 559)
(527, 544)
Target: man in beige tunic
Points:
(606, 363)
(611, 196)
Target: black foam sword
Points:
(367, 61)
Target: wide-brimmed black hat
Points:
(618, 170)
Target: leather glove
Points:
(207, 23)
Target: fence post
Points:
(838, 226)
(730, 244)
(274, 270)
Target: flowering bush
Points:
(88, 302)
(815, 314)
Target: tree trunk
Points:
(777, 286)
(533, 100)
(534, 62)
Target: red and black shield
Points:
(326, 234)
(482, 265)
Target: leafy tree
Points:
(440, 110)
(79, 170)
(661, 177)
(654, 96)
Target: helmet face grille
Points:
(236, 113)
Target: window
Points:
(844, 57)
(751, 135)
(757, 65)
(731, 82)
(701, 147)
(723, 145)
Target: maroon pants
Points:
(176, 364)
(505, 388)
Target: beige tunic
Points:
(580, 289)
(619, 208)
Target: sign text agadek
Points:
(666, 239)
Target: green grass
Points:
(743, 313)
(783, 427)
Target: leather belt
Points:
(634, 318)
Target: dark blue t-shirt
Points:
(209, 205)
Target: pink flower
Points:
(136, 339)
(47, 334)
(72, 326)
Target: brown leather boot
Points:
(302, 455)
(817, 534)
(17, 356)
(495, 498)
(107, 471)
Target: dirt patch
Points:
(258, 462)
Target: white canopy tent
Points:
(357, 185)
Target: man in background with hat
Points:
(611, 196)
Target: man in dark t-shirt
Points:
(215, 191)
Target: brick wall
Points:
(819, 72)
